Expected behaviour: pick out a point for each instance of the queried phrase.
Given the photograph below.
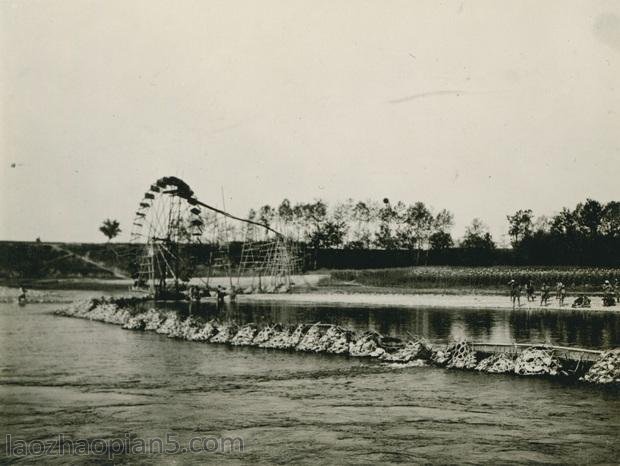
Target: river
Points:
(89, 380)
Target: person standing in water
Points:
(544, 294)
(22, 296)
(529, 290)
(221, 294)
(515, 293)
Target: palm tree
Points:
(110, 228)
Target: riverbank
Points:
(311, 288)
(432, 299)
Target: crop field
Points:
(581, 278)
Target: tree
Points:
(418, 221)
(285, 214)
(362, 215)
(110, 228)
(266, 215)
(330, 235)
(441, 226)
(299, 220)
(610, 221)
(564, 223)
(343, 213)
(440, 240)
(542, 224)
(477, 236)
(521, 224)
(589, 216)
(443, 222)
(315, 219)
(385, 238)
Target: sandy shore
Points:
(309, 291)
(469, 301)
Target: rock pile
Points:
(169, 326)
(369, 344)
(327, 338)
(110, 313)
(286, 338)
(413, 350)
(458, 354)
(245, 335)
(205, 331)
(225, 334)
(440, 356)
(266, 334)
(336, 340)
(499, 363)
(134, 323)
(606, 370)
(153, 320)
(103, 310)
(462, 356)
(537, 360)
(311, 340)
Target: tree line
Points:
(589, 234)
(370, 225)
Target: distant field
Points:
(478, 277)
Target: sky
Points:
(479, 107)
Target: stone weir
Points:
(600, 367)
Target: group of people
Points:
(194, 293)
(611, 294)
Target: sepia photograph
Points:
(309, 232)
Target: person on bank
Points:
(581, 301)
(562, 294)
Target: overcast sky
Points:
(479, 107)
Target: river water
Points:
(89, 380)
(570, 327)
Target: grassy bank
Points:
(24, 260)
(494, 278)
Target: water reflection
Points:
(588, 329)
